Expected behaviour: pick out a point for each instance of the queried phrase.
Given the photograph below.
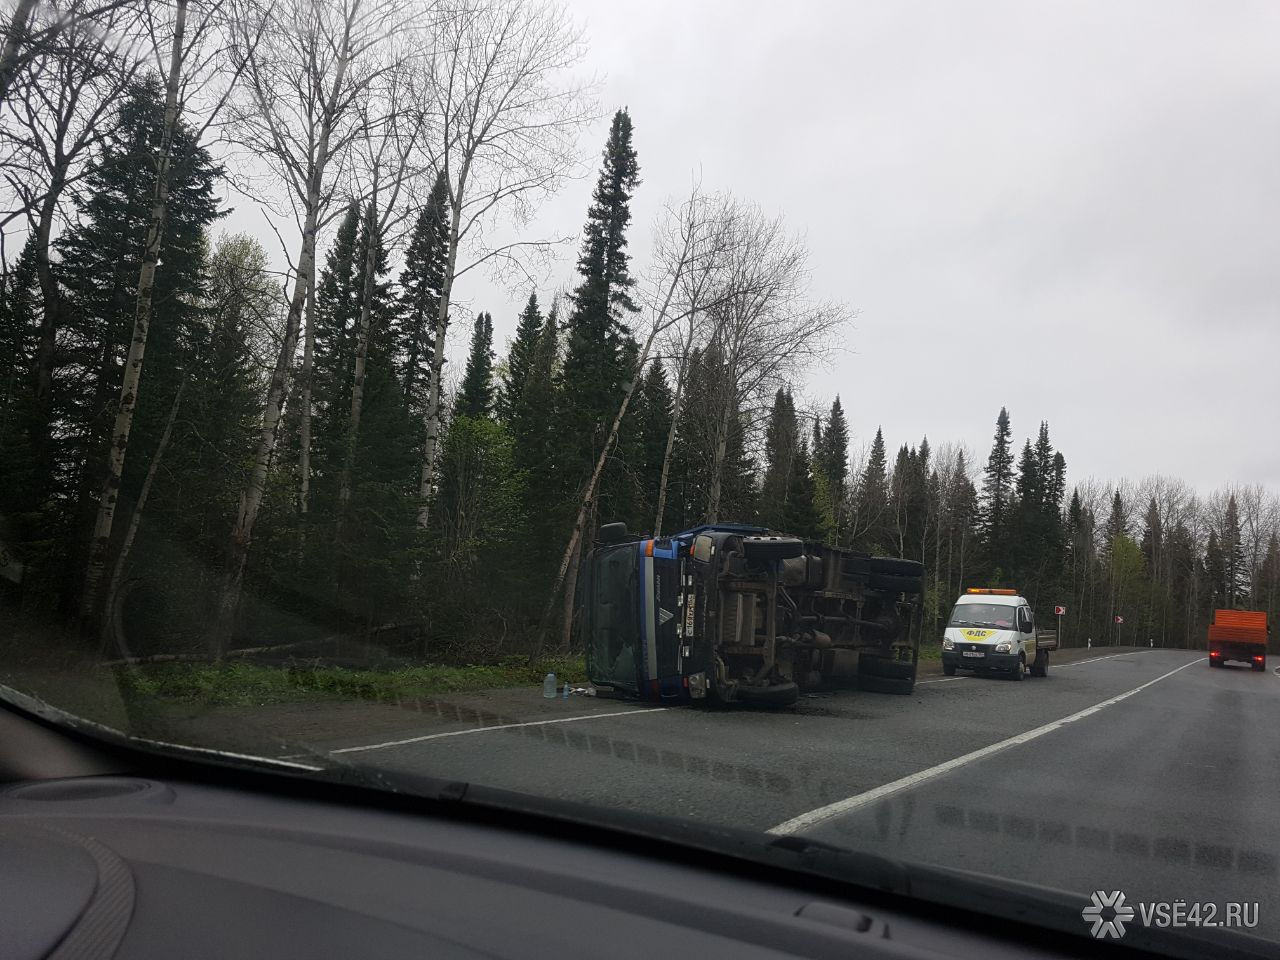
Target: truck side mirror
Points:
(1024, 622)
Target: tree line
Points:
(200, 452)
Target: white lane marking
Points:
(821, 814)
(1057, 666)
(1110, 656)
(498, 726)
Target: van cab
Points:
(993, 630)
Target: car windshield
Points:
(997, 615)
(467, 391)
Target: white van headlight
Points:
(948, 643)
(1004, 646)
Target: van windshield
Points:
(994, 615)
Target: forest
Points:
(216, 440)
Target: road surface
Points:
(1146, 772)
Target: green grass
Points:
(931, 652)
(243, 684)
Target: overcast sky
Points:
(1067, 208)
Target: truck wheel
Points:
(1260, 666)
(895, 567)
(1214, 663)
(1019, 669)
(1040, 665)
(778, 695)
(898, 685)
(869, 665)
(949, 669)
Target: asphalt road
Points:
(1146, 772)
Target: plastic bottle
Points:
(567, 689)
(549, 686)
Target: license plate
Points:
(973, 653)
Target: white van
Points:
(992, 629)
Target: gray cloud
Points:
(1068, 208)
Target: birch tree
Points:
(59, 113)
(188, 58)
(508, 116)
(308, 67)
(764, 326)
(689, 240)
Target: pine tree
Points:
(475, 395)
(421, 282)
(519, 359)
(997, 488)
(781, 445)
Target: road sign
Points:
(1059, 611)
(1119, 619)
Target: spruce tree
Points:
(1215, 567)
(1235, 570)
(648, 424)
(519, 359)
(475, 395)
(997, 488)
(101, 255)
(421, 282)
(600, 353)
(781, 446)
(873, 498)
(834, 461)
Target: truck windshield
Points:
(982, 615)
(614, 613)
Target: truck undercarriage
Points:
(730, 613)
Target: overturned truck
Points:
(731, 613)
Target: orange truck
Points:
(1238, 635)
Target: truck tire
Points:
(1260, 666)
(894, 567)
(869, 665)
(778, 695)
(1214, 663)
(1040, 666)
(896, 685)
(949, 669)
(895, 584)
